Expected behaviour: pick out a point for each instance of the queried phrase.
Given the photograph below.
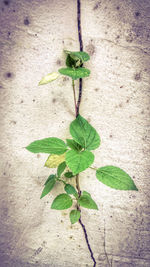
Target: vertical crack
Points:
(77, 113)
(81, 49)
(105, 246)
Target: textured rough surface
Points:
(116, 98)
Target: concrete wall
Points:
(115, 99)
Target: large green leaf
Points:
(79, 161)
(75, 216)
(48, 185)
(51, 145)
(83, 56)
(62, 202)
(87, 202)
(116, 178)
(49, 78)
(84, 134)
(70, 190)
(75, 73)
(73, 144)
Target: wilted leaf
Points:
(54, 160)
(49, 78)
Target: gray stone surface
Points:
(33, 35)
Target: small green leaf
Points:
(52, 176)
(116, 178)
(83, 56)
(84, 193)
(53, 161)
(48, 186)
(75, 73)
(73, 63)
(84, 134)
(87, 202)
(61, 168)
(73, 145)
(49, 78)
(79, 161)
(68, 174)
(51, 145)
(70, 190)
(62, 202)
(75, 216)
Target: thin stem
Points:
(61, 181)
(79, 97)
(78, 185)
(74, 95)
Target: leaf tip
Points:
(135, 188)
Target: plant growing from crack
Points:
(76, 155)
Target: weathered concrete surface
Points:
(116, 101)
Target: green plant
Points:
(76, 155)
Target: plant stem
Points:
(78, 185)
(74, 95)
(61, 181)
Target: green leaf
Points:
(49, 78)
(84, 193)
(70, 190)
(52, 176)
(83, 56)
(68, 174)
(61, 168)
(73, 63)
(73, 144)
(51, 145)
(62, 202)
(116, 178)
(48, 185)
(53, 161)
(75, 73)
(79, 161)
(87, 202)
(75, 216)
(84, 134)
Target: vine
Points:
(75, 155)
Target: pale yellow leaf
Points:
(49, 78)
(54, 160)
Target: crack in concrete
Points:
(126, 47)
